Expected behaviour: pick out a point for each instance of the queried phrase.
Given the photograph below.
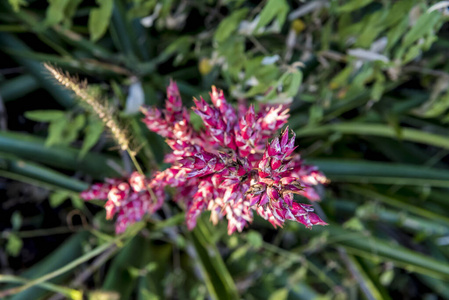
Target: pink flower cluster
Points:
(228, 168)
(130, 199)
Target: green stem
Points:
(68, 292)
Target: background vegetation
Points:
(368, 81)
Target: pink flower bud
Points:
(275, 163)
(118, 193)
(273, 193)
(137, 181)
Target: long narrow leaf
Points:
(218, 280)
(35, 174)
(61, 95)
(407, 134)
(381, 172)
(368, 246)
(33, 148)
(18, 87)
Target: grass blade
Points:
(364, 245)
(38, 71)
(218, 280)
(18, 87)
(32, 173)
(33, 148)
(381, 172)
(407, 134)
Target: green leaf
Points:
(150, 285)
(32, 148)
(15, 45)
(375, 24)
(372, 247)
(171, 222)
(79, 121)
(437, 107)
(398, 13)
(289, 83)
(395, 33)
(354, 224)
(55, 12)
(71, 130)
(16, 220)
(264, 74)
(180, 46)
(41, 176)
(401, 203)
(280, 294)
(104, 295)
(99, 19)
(412, 53)
(381, 172)
(438, 286)
(233, 49)
(255, 239)
(424, 25)
(70, 11)
(56, 132)
(315, 114)
(408, 134)
(229, 24)
(57, 198)
(378, 87)
(16, 4)
(367, 280)
(341, 79)
(218, 280)
(387, 277)
(93, 133)
(14, 245)
(77, 202)
(274, 9)
(293, 82)
(145, 294)
(62, 130)
(45, 115)
(353, 5)
(18, 87)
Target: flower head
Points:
(230, 167)
(130, 199)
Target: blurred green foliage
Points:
(368, 85)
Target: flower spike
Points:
(232, 167)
